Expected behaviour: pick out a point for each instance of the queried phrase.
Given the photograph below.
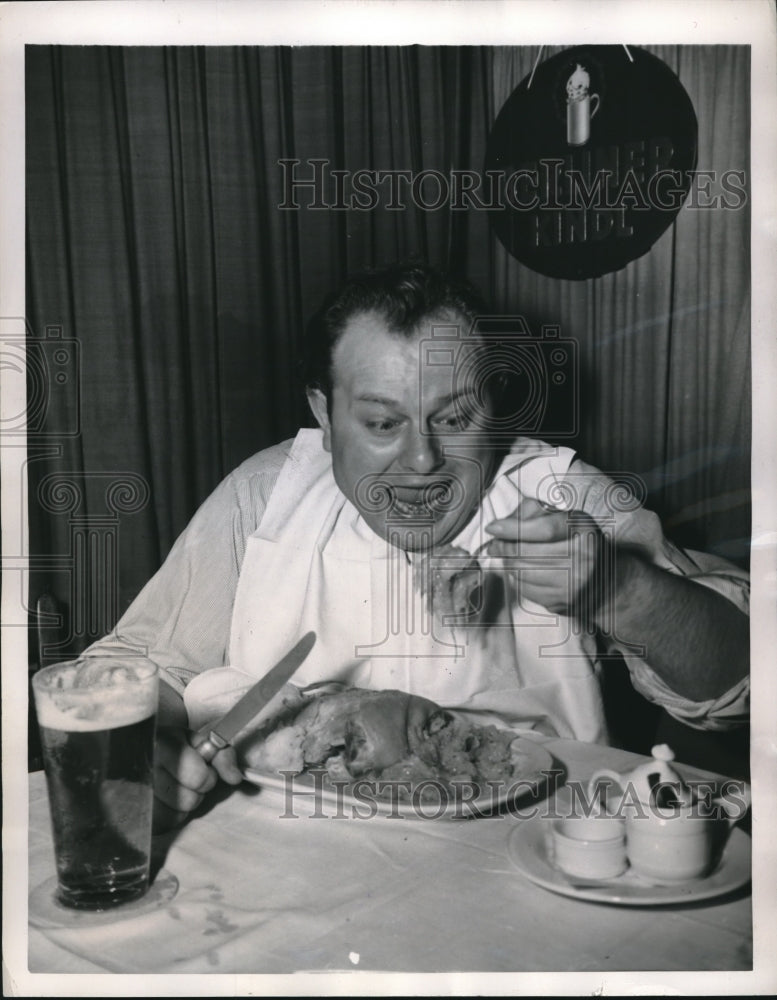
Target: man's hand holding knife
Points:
(188, 765)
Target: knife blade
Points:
(253, 701)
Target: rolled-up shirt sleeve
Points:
(641, 530)
(182, 617)
(732, 708)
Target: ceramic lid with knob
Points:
(654, 782)
(659, 774)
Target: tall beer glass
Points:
(97, 717)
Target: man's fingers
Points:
(552, 554)
(179, 759)
(531, 522)
(225, 763)
(182, 777)
(169, 790)
(166, 818)
(534, 523)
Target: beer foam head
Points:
(578, 84)
(96, 693)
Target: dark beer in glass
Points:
(97, 717)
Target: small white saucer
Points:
(527, 848)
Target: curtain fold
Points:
(156, 242)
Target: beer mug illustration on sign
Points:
(581, 107)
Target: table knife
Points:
(253, 701)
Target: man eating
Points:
(431, 551)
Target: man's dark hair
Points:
(402, 294)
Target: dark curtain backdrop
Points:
(155, 241)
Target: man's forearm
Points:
(694, 639)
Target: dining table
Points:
(258, 883)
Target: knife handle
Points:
(211, 746)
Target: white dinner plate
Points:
(528, 852)
(308, 792)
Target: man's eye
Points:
(458, 421)
(384, 426)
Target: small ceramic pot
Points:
(587, 858)
(675, 846)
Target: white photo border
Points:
(435, 22)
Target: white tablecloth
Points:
(263, 894)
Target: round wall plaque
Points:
(592, 158)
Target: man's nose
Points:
(421, 452)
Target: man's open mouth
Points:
(412, 509)
(430, 500)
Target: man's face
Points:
(407, 435)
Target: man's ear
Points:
(318, 404)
